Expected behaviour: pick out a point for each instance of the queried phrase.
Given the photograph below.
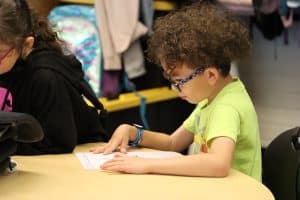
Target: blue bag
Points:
(77, 26)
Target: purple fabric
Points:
(110, 84)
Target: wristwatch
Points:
(139, 135)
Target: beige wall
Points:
(273, 83)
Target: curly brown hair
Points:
(204, 34)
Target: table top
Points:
(63, 177)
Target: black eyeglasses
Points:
(178, 84)
(4, 55)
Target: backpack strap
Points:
(87, 91)
(75, 78)
(81, 85)
(143, 104)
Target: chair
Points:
(281, 162)
(16, 128)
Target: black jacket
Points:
(37, 90)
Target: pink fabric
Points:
(5, 100)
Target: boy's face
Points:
(192, 85)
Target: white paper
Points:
(94, 161)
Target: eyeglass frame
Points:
(5, 55)
(180, 83)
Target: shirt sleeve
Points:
(223, 121)
(52, 107)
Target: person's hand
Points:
(127, 164)
(119, 139)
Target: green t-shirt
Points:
(230, 114)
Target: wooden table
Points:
(63, 177)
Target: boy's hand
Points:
(127, 164)
(119, 140)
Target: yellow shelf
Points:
(130, 100)
(164, 5)
(158, 5)
(78, 1)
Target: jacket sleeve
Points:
(52, 107)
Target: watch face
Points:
(138, 126)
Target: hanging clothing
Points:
(119, 28)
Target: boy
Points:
(195, 46)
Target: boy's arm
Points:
(216, 163)
(178, 141)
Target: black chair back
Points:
(281, 162)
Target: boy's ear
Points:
(212, 75)
(27, 46)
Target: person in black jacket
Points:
(32, 64)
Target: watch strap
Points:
(139, 135)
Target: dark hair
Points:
(18, 21)
(201, 35)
